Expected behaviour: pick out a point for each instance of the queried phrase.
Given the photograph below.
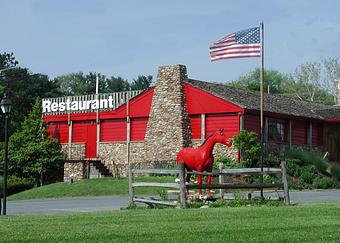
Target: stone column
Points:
(168, 128)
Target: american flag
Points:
(244, 43)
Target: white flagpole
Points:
(261, 102)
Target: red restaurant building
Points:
(176, 113)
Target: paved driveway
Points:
(107, 203)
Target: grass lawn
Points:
(303, 223)
(93, 187)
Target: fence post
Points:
(285, 182)
(182, 186)
(131, 189)
(221, 180)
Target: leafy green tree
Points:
(273, 80)
(141, 83)
(31, 152)
(118, 84)
(307, 83)
(22, 87)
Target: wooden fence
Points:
(182, 186)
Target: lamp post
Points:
(6, 105)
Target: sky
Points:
(130, 38)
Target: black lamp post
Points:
(6, 105)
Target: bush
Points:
(16, 184)
(309, 174)
(324, 183)
(309, 158)
(335, 171)
(247, 142)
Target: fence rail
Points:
(183, 187)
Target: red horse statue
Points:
(201, 159)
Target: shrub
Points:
(309, 158)
(308, 174)
(335, 171)
(323, 182)
(247, 142)
(16, 184)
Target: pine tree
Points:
(31, 153)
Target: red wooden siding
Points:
(195, 122)
(230, 123)
(59, 131)
(252, 123)
(299, 132)
(317, 137)
(86, 132)
(138, 128)
(201, 102)
(113, 130)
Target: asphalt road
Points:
(108, 203)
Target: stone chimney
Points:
(168, 128)
(337, 92)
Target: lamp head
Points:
(6, 105)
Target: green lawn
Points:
(93, 187)
(303, 223)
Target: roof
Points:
(274, 103)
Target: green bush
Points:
(309, 158)
(323, 182)
(335, 171)
(308, 174)
(247, 143)
(16, 184)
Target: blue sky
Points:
(128, 38)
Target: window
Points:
(276, 131)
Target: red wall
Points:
(195, 122)
(229, 122)
(113, 130)
(252, 123)
(86, 132)
(59, 131)
(317, 137)
(299, 132)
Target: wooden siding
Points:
(201, 102)
(230, 123)
(299, 132)
(252, 123)
(138, 128)
(195, 122)
(317, 136)
(58, 130)
(86, 132)
(113, 130)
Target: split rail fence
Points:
(182, 186)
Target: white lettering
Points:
(46, 104)
(94, 104)
(74, 105)
(54, 106)
(110, 101)
(62, 106)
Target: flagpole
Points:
(261, 102)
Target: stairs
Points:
(102, 169)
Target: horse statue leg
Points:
(188, 181)
(209, 170)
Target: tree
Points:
(31, 152)
(118, 84)
(79, 83)
(141, 83)
(308, 83)
(22, 87)
(272, 79)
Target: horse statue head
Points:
(220, 137)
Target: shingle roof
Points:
(274, 103)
